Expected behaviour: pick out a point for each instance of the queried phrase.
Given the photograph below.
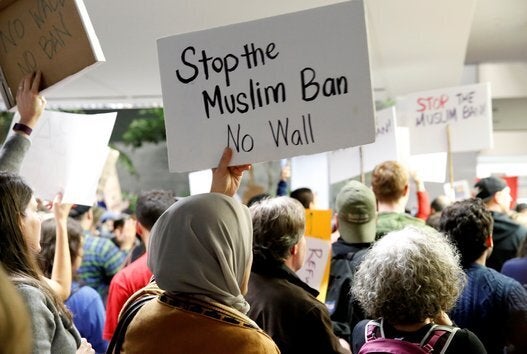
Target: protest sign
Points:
(315, 271)
(67, 154)
(283, 86)
(466, 110)
(53, 36)
(345, 163)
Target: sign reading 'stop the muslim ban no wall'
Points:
(278, 87)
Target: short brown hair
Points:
(388, 181)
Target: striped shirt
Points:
(101, 260)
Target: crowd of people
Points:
(207, 274)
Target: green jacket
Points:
(392, 221)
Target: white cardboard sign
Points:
(466, 109)
(317, 257)
(283, 86)
(67, 155)
(345, 163)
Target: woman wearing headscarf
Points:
(200, 253)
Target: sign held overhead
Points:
(466, 109)
(278, 87)
(53, 36)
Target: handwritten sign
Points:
(54, 36)
(466, 109)
(345, 163)
(67, 154)
(278, 87)
(315, 271)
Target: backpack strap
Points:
(373, 330)
(433, 335)
(124, 320)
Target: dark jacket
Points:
(507, 236)
(286, 308)
(345, 312)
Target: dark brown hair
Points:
(18, 261)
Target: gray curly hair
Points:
(409, 276)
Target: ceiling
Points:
(414, 45)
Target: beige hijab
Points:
(202, 245)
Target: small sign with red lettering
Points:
(467, 110)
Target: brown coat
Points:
(186, 325)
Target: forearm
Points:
(61, 274)
(12, 153)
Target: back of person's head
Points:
(488, 186)
(389, 181)
(439, 203)
(151, 204)
(278, 225)
(78, 211)
(258, 198)
(15, 254)
(521, 208)
(47, 241)
(468, 224)
(203, 245)
(305, 196)
(409, 276)
(356, 212)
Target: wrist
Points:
(23, 128)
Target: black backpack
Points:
(345, 313)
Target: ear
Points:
(294, 250)
(489, 243)
(139, 229)
(406, 190)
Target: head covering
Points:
(203, 245)
(78, 210)
(357, 214)
(489, 186)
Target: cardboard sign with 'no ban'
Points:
(53, 36)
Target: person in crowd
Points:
(438, 204)
(492, 305)
(423, 201)
(200, 253)
(52, 328)
(506, 234)
(356, 220)
(305, 196)
(520, 214)
(282, 185)
(516, 268)
(281, 303)
(101, 259)
(124, 234)
(407, 282)
(84, 302)
(15, 325)
(150, 206)
(30, 106)
(389, 182)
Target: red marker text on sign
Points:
(431, 103)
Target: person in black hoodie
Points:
(506, 234)
(281, 303)
(356, 223)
